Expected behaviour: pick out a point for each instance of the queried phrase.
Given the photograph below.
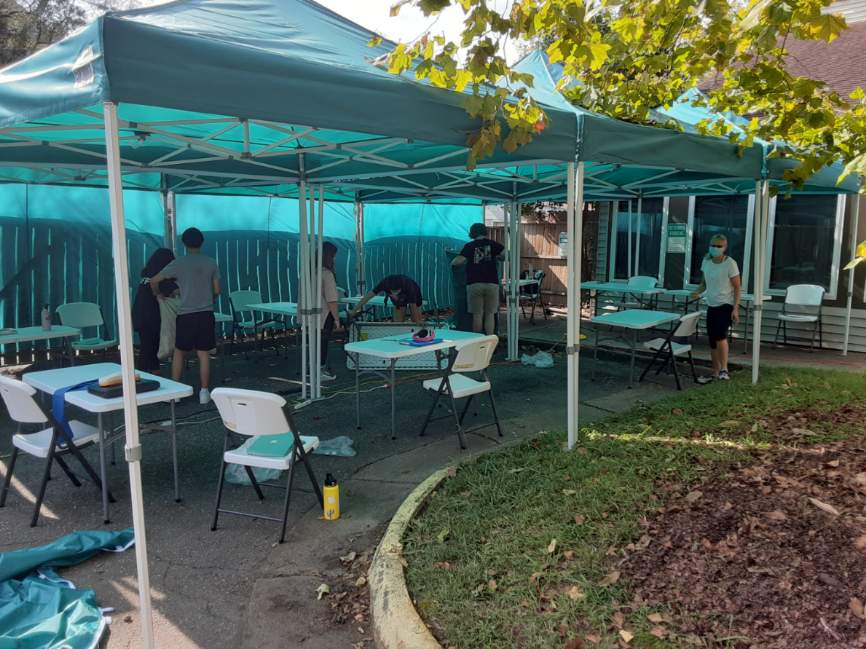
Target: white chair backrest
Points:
(241, 299)
(688, 325)
(804, 295)
(80, 314)
(251, 412)
(18, 397)
(642, 282)
(474, 355)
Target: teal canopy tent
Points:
(284, 98)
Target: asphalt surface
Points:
(236, 587)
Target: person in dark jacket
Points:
(146, 319)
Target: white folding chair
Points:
(38, 435)
(244, 318)
(803, 305)
(471, 356)
(668, 349)
(85, 315)
(255, 414)
(639, 283)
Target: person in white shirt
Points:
(721, 289)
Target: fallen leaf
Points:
(860, 479)
(569, 492)
(349, 558)
(856, 606)
(730, 423)
(655, 618)
(568, 555)
(618, 619)
(627, 636)
(452, 472)
(824, 506)
(803, 431)
(610, 579)
(579, 520)
(593, 638)
(551, 547)
(574, 643)
(658, 632)
(860, 542)
(574, 593)
(361, 581)
(322, 590)
(443, 565)
(677, 411)
(443, 535)
(776, 515)
(693, 496)
(492, 585)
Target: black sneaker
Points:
(724, 376)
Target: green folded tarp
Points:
(40, 610)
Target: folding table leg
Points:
(631, 366)
(393, 401)
(357, 360)
(174, 451)
(102, 468)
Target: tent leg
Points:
(512, 303)
(130, 408)
(762, 209)
(855, 227)
(574, 210)
(317, 292)
(360, 268)
(303, 288)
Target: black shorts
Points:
(402, 304)
(196, 331)
(718, 323)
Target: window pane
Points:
(647, 227)
(727, 215)
(803, 241)
(650, 233)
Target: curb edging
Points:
(396, 623)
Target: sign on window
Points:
(677, 237)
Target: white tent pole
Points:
(317, 291)
(360, 269)
(762, 209)
(513, 269)
(506, 275)
(630, 273)
(303, 247)
(574, 212)
(855, 227)
(637, 235)
(124, 327)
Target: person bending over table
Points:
(721, 287)
(403, 292)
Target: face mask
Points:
(716, 251)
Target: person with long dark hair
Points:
(146, 319)
(330, 316)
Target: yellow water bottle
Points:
(331, 496)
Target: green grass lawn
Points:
(519, 548)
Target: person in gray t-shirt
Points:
(198, 278)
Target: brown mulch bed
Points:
(771, 556)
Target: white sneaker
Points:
(724, 376)
(325, 375)
(204, 396)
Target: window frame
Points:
(835, 265)
(745, 271)
(633, 234)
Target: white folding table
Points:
(275, 308)
(50, 381)
(633, 321)
(376, 302)
(392, 349)
(622, 289)
(33, 334)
